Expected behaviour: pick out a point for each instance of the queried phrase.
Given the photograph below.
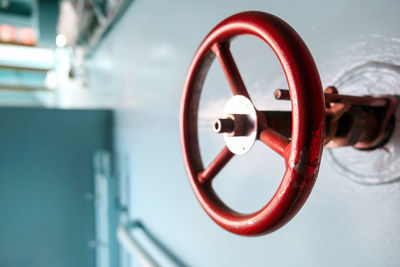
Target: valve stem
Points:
(224, 125)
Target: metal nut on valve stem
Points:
(234, 125)
(224, 125)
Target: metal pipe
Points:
(134, 248)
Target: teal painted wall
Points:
(46, 170)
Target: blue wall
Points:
(143, 63)
(46, 171)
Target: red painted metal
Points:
(302, 154)
(275, 141)
(216, 165)
(221, 50)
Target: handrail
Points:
(134, 248)
(137, 251)
(172, 258)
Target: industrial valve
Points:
(318, 118)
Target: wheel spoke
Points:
(274, 140)
(230, 69)
(216, 165)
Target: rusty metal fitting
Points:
(364, 122)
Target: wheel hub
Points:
(238, 124)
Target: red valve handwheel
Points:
(302, 152)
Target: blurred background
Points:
(91, 170)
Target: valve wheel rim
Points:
(303, 153)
